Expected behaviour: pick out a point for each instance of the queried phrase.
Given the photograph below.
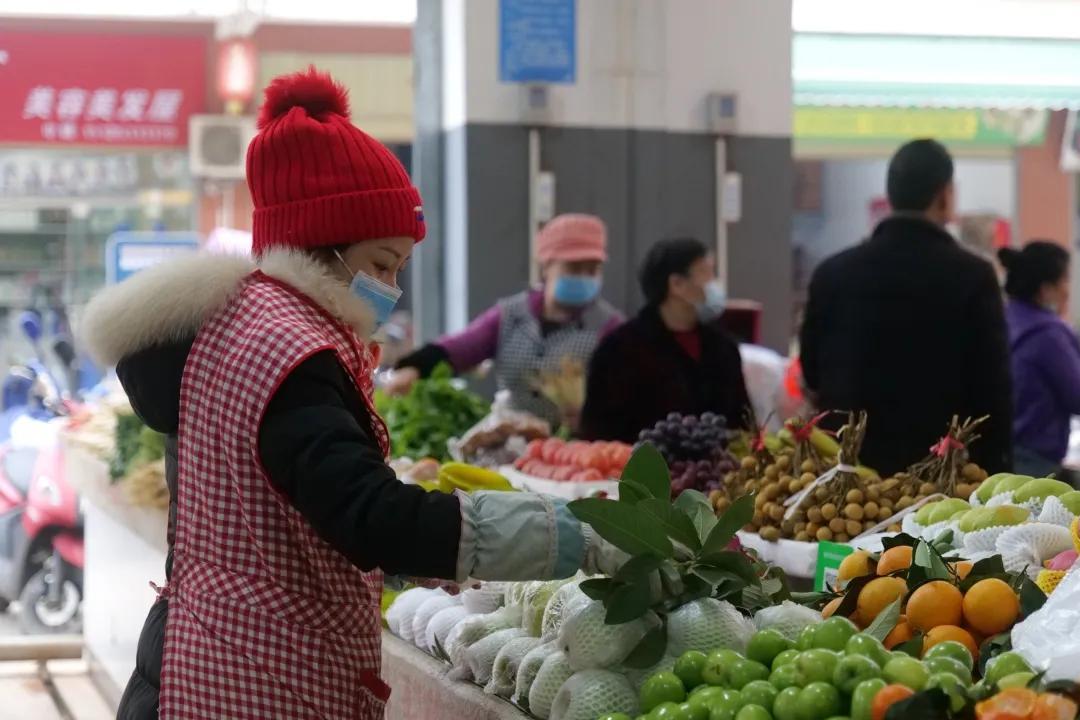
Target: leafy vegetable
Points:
(136, 445)
(433, 411)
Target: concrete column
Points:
(627, 141)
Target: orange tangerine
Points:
(991, 606)
(935, 603)
(878, 594)
(951, 632)
(1011, 704)
(899, 634)
(893, 559)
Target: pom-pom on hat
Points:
(317, 180)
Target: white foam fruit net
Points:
(591, 693)
(487, 599)
(481, 656)
(553, 673)
(528, 669)
(534, 602)
(984, 540)
(591, 643)
(707, 625)
(637, 677)
(423, 616)
(1028, 545)
(561, 604)
(403, 609)
(476, 628)
(440, 625)
(1055, 512)
(504, 670)
(788, 618)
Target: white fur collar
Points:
(170, 302)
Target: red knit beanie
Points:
(316, 179)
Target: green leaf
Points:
(885, 621)
(734, 562)
(928, 558)
(700, 511)
(649, 651)
(647, 466)
(676, 523)
(690, 499)
(713, 575)
(739, 514)
(851, 595)
(638, 567)
(812, 599)
(628, 602)
(632, 492)
(899, 540)
(1031, 597)
(912, 647)
(625, 526)
(598, 588)
(992, 647)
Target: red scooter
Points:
(41, 540)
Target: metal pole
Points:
(721, 223)
(534, 221)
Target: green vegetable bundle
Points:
(433, 411)
(136, 445)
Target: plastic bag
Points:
(440, 625)
(504, 670)
(424, 614)
(1049, 639)
(500, 438)
(403, 610)
(486, 599)
(592, 693)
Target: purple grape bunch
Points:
(695, 448)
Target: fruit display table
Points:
(125, 550)
(422, 690)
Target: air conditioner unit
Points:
(217, 145)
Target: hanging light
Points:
(236, 73)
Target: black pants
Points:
(140, 700)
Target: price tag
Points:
(829, 557)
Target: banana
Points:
(459, 476)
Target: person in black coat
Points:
(671, 357)
(910, 327)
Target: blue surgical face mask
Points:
(379, 295)
(712, 306)
(576, 290)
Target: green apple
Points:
(1071, 501)
(717, 665)
(943, 664)
(745, 671)
(703, 695)
(760, 692)
(862, 700)
(786, 676)
(753, 712)
(663, 687)
(952, 649)
(689, 666)
(817, 665)
(1016, 679)
(615, 716)
(786, 706)
(1041, 489)
(819, 700)
(981, 690)
(868, 646)
(906, 671)
(726, 704)
(667, 711)
(765, 645)
(834, 633)
(852, 670)
(953, 687)
(1004, 664)
(805, 641)
(693, 711)
(784, 658)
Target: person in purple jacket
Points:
(1045, 355)
(534, 331)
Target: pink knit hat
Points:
(572, 237)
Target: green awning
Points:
(941, 72)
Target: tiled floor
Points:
(25, 692)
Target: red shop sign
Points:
(83, 89)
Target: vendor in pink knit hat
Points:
(544, 330)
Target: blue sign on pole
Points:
(537, 41)
(126, 253)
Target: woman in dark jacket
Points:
(671, 357)
(283, 513)
(1045, 355)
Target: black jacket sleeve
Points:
(990, 378)
(425, 359)
(317, 447)
(809, 334)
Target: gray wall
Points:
(646, 185)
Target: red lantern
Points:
(236, 71)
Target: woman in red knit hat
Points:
(283, 513)
(536, 330)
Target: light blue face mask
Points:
(379, 295)
(576, 290)
(715, 300)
